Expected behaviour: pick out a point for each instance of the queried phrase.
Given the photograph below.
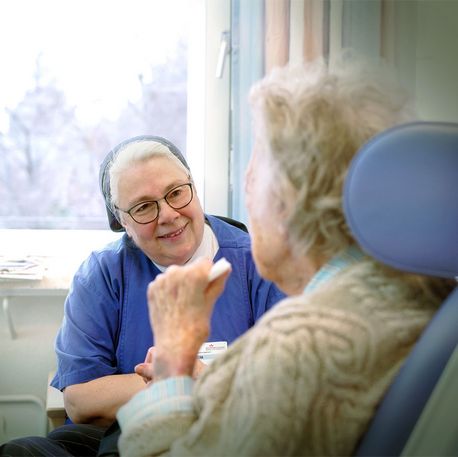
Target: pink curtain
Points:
(277, 31)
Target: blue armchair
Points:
(401, 203)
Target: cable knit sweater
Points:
(305, 380)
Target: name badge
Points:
(210, 350)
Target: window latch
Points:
(224, 49)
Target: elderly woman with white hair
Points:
(306, 379)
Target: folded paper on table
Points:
(27, 268)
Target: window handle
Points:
(224, 49)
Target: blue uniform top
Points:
(106, 328)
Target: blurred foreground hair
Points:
(316, 116)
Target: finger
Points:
(145, 380)
(145, 370)
(140, 369)
(216, 287)
(198, 368)
(149, 358)
(200, 270)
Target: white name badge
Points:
(210, 350)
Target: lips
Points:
(174, 234)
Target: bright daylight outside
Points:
(77, 78)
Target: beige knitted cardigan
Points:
(305, 380)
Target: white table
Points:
(55, 405)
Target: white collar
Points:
(208, 247)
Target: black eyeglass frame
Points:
(128, 211)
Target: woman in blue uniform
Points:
(106, 330)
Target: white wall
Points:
(437, 60)
(419, 37)
(26, 360)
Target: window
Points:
(79, 77)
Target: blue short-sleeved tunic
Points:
(106, 328)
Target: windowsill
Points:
(62, 251)
(53, 243)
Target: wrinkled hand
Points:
(180, 304)
(146, 369)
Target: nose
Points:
(166, 213)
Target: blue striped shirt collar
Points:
(338, 263)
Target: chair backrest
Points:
(233, 222)
(401, 204)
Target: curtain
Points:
(265, 34)
(295, 30)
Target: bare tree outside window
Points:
(51, 140)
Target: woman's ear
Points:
(126, 228)
(124, 225)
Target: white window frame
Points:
(207, 140)
(209, 105)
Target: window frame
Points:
(209, 122)
(208, 118)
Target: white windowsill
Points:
(62, 250)
(53, 243)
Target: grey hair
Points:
(132, 153)
(315, 118)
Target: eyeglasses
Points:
(148, 211)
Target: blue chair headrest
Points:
(400, 204)
(400, 198)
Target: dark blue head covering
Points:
(104, 172)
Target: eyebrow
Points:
(148, 198)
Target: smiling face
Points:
(175, 235)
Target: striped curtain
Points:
(295, 30)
